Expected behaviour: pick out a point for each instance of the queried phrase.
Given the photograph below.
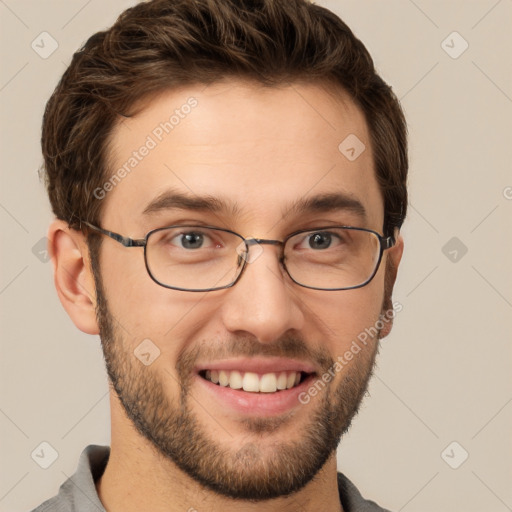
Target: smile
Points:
(254, 382)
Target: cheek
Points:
(341, 316)
(125, 283)
(142, 309)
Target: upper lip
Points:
(258, 365)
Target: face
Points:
(258, 153)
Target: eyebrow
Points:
(321, 203)
(327, 202)
(174, 200)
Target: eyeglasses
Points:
(207, 258)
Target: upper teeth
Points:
(249, 381)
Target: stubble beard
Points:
(257, 470)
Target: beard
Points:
(259, 469)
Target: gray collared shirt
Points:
(78, 492)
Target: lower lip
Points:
(255, 404)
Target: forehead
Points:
(256, 151)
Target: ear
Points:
(393, 258)
(73, 276)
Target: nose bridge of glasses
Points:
(260, 241)
(255, 242)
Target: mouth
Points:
(252, 382)
(255, 387)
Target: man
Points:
(229, 180)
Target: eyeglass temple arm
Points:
(388, 242)
(124, 240)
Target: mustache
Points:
(288, 346)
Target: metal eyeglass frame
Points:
(385, 243)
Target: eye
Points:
(320, 240)
(192, 240)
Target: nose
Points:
(264, 302)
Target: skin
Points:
(263, 149)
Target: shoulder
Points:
(352, 500)
(91, 465)
(55, 504)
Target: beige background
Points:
(445, 372)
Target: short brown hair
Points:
(162, 44)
